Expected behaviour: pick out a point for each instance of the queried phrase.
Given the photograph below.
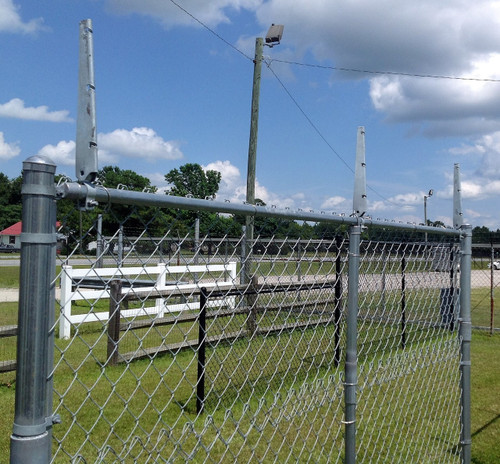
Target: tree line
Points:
(187, 180)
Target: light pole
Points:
(431, 192)
(272, 38)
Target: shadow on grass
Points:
(485, 426)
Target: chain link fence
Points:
(486, 281)
(318, 341)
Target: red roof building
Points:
(14, 229)
(12, 234)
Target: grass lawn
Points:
(485, 398)
(270, 422)
(9, 276)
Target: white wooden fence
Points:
(71, 291)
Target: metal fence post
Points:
(338, 297)
(31, 438)
(465, 333)
(100, 244)
(492, 289)
(403, 301)
(351, 367)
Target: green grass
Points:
(481, 307)
(9, 276)
(485, 398)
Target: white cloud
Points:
(486, 150)
(15, 109)
(8, 150)
(233, 188)
(62, 153)
(10, 20)
(211, 13)
(449, 38)
(230, 177)
(458, 38)
(140, 142)
(336, 202)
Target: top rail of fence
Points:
(89, 195)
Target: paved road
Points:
(374, 282)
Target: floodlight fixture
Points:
(274, 34)
(431, 192)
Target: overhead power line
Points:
(389, 73)
(309, 120)
(335, 68)
(209, 29)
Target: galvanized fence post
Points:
(492, 289)
(465, 333)
(403, 301)
(351, 362)
(338, 297)
(31, 437)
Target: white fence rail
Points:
(71, 291)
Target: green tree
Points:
(191, 180)
(481, 234)
(80, 226)
(10, 200)
(113, 176)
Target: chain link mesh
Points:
(189, 342)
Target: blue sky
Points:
(169, 91)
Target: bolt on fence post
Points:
(202, 340)
(351, 362)
(32, 429)
(465, 334)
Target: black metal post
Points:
(202, 340)
(115, 297)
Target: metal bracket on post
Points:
(359, 199)
(457, 198)
(86, 130)
(89, 202)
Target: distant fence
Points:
(91, 284)
(350, 346)
(486, 276)
(8, 365)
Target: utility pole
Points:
(252, 153)
(254, 120)
(272, 38)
